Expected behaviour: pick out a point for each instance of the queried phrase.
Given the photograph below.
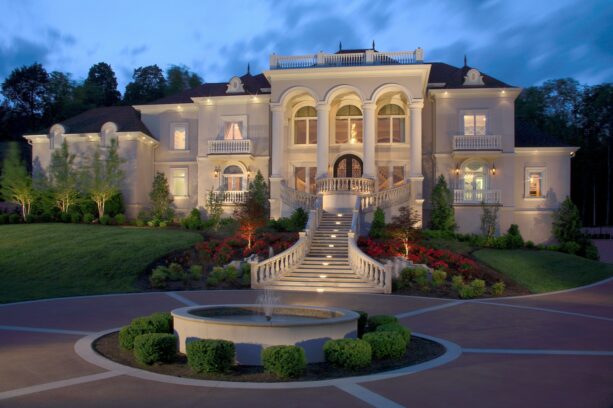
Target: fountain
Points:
(252, 327)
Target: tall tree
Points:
(100, 86)
(160, 197)
(60, 98)
(105, 176)
(25, 90)
(148, 84)
(15, 181)
(253, 213)
(63, 178)
(442, 218)
(404, 227)
(179, 78)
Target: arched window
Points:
(349, 125)
(390, 124)
(305, 126)
(474, 180)
(233, 178)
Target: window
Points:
(233, 178)
(390, 124)
(233, 130)
(179, 136)
(535, 182)
(475, 124)
(385, 181)
(179, 182)
(305, 126)
(304, 178)
(349, 125)
(474, 180)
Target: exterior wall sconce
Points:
(248, 174)
(217, 170)
(457, 170)
(493, 169)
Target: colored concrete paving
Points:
(551, 350)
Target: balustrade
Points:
(232, 146)
(344, 184)
(486, 142)
(477, 196)
(367, 57)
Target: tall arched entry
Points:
(348, 165)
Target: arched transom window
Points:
(349, 125)
(305, 126)
(233, 178)
(390, 124)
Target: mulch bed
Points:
(419, 351)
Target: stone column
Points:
(369, 140)
(277, 160)
(416, 176)
(323, 139)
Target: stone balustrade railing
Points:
(367, 57)
(294, 198)
(346, 184)
(362, 264)
(232, 197)
(485, 142)
(232, 146)
(386, 198)
(477, 196)
(273, 268)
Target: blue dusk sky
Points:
(522, 42)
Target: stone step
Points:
(321, 283)
(322, 289)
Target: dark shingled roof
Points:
(453, 77)
(126, 118)
(252, 84)
(528, 135)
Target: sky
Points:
(521, 42)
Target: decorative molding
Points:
(473, 77)
(235, 86)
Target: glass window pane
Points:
(306, 112)
(300, 132)
(536, 181)
(383, 177)
(349, 110)
(383, 130)
(313, 131)
(233, 183)
(480, 124)
(356, 131)
(179, 182)
(233, 170)
(341, 130)
(300, 178)
(469, 124)
(341, 170)
(398, 130)
(398, 175)
(232, 131)
(180, 137)
(312, 179)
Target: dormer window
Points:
(235, 86)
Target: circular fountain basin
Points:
(246, 326)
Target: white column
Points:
(369, 140)
(278, 140)
(323, 139)
(416, 108)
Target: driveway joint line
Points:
(544, 309)
(543, 352)
(181, 299)
(429, 309)
(45, 330)
(368, 396)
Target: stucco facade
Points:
(353, 123)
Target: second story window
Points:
(233, 130)
(305, 126)
(475, 124)
(179, 136)
(390, 124)
(349, 125)
(233, 178)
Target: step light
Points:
(339, 215)
(335, 230)
(338, 223)
(320, 290)
(331, 245)
(323, 276)
(332, 236)
(328, 256)
(325, 263)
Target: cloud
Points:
(19, 52)
(134, 51)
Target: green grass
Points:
(52, 260)
(544, 271)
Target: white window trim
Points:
(172, 184)
(544, 182)
(390, 136)
(474, 112)
(293, 130)
(233, 118)
(245, 179)
(333, 124)
(173, 125)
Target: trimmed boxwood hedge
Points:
(155, 323)
(397, 328)
(376, 321)
(362, 321)
(210, 356)
(348, 353)
(155, 347)
(386, 344)
(284, 361)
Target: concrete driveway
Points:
(552, 350)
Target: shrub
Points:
(88, 218)
(396, 328)
(153, 223)
(386, 344)
(75, 218)
(362, 322)
(139, 222)
(498, 288)
(14, 219)
(442, 217)
(530, 245)
(376, 321)
(105, 219)
(195, 272)
(377, 228)
(284, 361)
(246, 278)
(439, 277)
(155, 323)
(4, 219)
(65, 217)
(570, 247)
(465, 291)
(220, 275)
(298, 220)
(352, 354)
(175, 271)
(158, 277)
(120, 219)
(210, 356)
(163, 224)
(478, 287)
(155, 347)
(192, 221)
(457, 281)
(566, 224)
(513, 237)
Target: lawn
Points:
(544, 271)
(52, 260)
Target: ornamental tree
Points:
(16, 182)
(253, 213)
(442, 218)
(161, 200)
(105, 175)
(567, 222)
(214, 208)
(63, 178)
(404, 227)
(489, 219)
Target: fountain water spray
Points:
(267, 302)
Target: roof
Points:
(252, 84)
(126, 118)
(528, 135)
(453, 77)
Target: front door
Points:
(348, 165)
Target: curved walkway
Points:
(546, 350)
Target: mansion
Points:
(329, 129)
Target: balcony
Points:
(476, 197)
(231, 197)
(353, 185)
(241, 146)
(477, 143)
(349, 59)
